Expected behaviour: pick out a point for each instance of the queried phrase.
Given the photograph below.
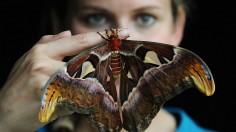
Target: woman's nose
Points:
(121, 23)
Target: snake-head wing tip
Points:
(203, 80)
(46, 112)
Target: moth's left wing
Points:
(85, 85)
(73, 87)
(154, 73)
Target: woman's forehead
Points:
(123, 4)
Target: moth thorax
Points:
(115, 65)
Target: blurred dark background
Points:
(210, 33)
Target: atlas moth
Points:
(124, 83)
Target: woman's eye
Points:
(95, 20)
(145, 20)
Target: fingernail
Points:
(124, 33)
(65, 33)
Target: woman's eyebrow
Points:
(148, 8)
(92, 8)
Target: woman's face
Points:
(149, 20)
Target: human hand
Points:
(21, 94)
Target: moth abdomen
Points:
(115, 65)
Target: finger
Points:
(75, 44)
(49, 38)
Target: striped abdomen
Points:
(115, 65)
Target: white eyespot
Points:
(151, 57)
(87, 68)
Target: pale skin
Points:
(145, 20)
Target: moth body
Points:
(124, 83)
(115, 65)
